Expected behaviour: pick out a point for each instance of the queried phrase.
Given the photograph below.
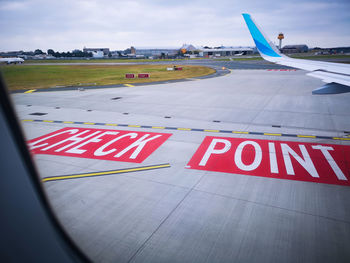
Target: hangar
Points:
(153, 52)
(97, 52)
(288, 49)
(225, 51)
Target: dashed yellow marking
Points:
(30, 91)
(55, 178)
(240, 132)
(129, 85)
(211, 130)
(306, 136)
(343, 139)
(272, 134)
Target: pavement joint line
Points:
(102, 173)
(346, 138)
(273, 206)
(193, 188)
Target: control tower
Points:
(280, 37)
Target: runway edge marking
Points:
(196, 130)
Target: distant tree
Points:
(76, 53)
(38, 52)
(50, 52)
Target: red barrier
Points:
(129, 76)
(143, 75)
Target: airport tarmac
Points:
(183, 191)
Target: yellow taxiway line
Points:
(136, 169)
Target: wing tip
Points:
(246, 16)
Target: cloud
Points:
(65, 25)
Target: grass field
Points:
(23, 77)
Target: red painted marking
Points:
(143, 75)
(130, 76)
(311, 162)
(281, 70)
(113, 145)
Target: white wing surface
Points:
(335, 74)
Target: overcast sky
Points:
(68, 24)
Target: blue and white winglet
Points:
(336, 75)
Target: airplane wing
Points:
(336, 75)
